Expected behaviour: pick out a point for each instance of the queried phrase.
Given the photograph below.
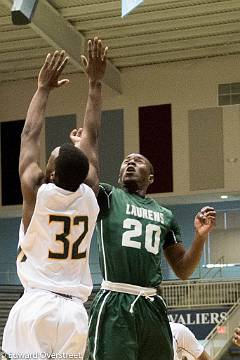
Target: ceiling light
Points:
(224, 196)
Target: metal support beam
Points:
(51, 26)
(22, 11)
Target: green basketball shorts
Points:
(115, 333)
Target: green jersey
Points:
(132, 230)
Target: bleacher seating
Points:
(9, 294)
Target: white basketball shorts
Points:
(43, 325)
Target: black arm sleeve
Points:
(104, 199)
(173, 236)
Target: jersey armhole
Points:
(104, 199)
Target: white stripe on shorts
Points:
(97, 326)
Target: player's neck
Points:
(133, 189)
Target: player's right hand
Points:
(52, 68)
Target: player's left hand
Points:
(205, 220)
(236, 337)
(95, 65)
(75, 136)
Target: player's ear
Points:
(52, 176)
(151, 178)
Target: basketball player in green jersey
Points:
(128, 319)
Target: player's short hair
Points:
(151, 167)
(71, 167)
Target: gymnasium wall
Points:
(187, 86)
(221, 243)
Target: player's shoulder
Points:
(46, 188)
(179, 329)
(161, 208)
(105, 187)
(111, 190)
(85, 188)
(86, 193)
(177, 326)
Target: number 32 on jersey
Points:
(152, 235)
(66, 250)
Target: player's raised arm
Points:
(31, 176)
(184, 262)
(87, 137)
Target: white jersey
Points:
(185, 343)
(54, 253)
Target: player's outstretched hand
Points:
(51, 70)
(95, 65)
(236, 337)
(205, 220)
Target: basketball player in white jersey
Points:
(185, 344)
(59, 215)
